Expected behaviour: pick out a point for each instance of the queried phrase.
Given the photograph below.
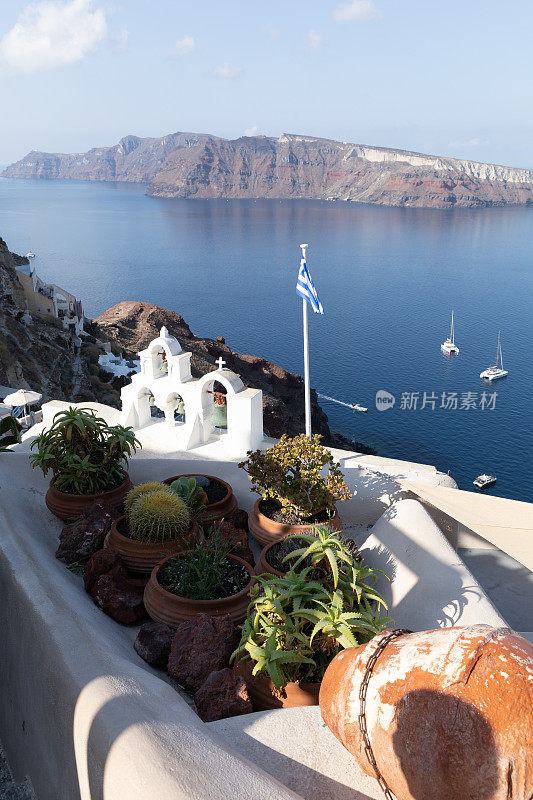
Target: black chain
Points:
(362, 708)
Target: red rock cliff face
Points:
(191, 165)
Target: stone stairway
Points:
(9, 790)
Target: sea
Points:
(388, 279)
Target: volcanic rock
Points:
(223, 694)
(106, 580)
(201, 645)
(153, 643)
(238, 538)
(82, 538)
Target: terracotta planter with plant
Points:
(157, 523)
(276, 557)
(298, 622)
(87, 459)
(205, 579)
(299, 482)
(221, 501)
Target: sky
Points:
(447, 77)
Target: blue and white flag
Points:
(306, 289)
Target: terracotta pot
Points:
(213, 511)
(141, 557)
(450, 709)
(266, 531)
(163, 606)
(69, 507)
(263, 564)
(265, 696)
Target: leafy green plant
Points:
(296, 624)
(194, 497)
(204, 572)
(9, 434)
(138, 491)
(159, 517)
(83, 452)
(299, 474)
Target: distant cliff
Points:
(190, 165)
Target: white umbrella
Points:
(22, 398)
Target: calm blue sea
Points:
(387, 278)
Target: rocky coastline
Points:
(192, 165)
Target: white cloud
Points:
(251, 131)
(272, 31)
(227, 71)
(51, 34)
(186, 45)
(121, 41)
(356, 11)
(474, 142)
(314, 39)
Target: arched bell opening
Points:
(160, 358)
(175, 412)
(215, 407)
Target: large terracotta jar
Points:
(265, 696)
(448, 712)
(141, 557)
(266, 530)
(69, 507)
(163, 606)
(213, 511)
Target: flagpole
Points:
(306, 358)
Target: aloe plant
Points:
(193, 496)
(297, 623)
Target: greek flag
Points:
(306, 289)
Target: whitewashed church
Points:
(191, 413)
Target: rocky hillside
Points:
(203, 166)
(37, 353)
(133, 325)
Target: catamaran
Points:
(449, 345)
(484, 480)
(496, 371)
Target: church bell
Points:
(219, 418)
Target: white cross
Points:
(220, 363)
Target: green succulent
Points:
(159, 516)
(138, 491)
(297, 623)
(9, 434)
(298, 473)
(194, 497)
(84, 453)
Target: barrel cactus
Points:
(139, 491)
(159, 516)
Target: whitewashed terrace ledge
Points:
(82, 716)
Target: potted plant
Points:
(87, 459)
(157, 523)
(9, 434)
(275, 558)
(221, 501)
(205, 579)
(298, 622)
(299, 482)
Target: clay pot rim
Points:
(209, 506)
(202, 603)
(245, 665)
(262, 555)
(89, 496)
(294, 525)
(193, 528)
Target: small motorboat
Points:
(496, 371)
(484, 480)
(449, 347)
(358, 407)
(30, 255)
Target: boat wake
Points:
(334, 400)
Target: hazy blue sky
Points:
(452, 77)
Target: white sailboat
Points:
(496, 371)
(449, 347)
